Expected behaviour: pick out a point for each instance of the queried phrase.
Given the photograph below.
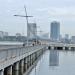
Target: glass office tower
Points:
(55, 30)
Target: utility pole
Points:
(26, 15)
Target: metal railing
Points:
(14, 53)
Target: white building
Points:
(2, 34)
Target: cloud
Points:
(59, 12)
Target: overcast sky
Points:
(44, 12)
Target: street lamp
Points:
(26, 21)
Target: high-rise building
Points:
(73, 39)
(55, 30)
(66, 36)
(32, 30)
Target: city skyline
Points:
(44, 12)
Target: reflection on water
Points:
(54, 58)
(63, 63)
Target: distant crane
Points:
(26, 21)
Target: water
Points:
(55, 63)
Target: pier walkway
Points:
(16, 60)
